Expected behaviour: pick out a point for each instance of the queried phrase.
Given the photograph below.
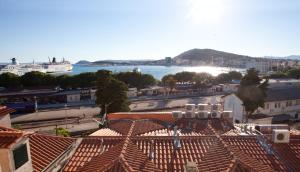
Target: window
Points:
(266, 105)
(20, 155)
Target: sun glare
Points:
(204, 10)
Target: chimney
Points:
(191, 166)
(151, 153)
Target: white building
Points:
(232, 103)
(278, 101)
(284, 83)
(5, 116)
(132, 92)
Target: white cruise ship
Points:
(51, 67)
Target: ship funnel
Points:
(14, 61)
(53, 60)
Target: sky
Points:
(145, 29)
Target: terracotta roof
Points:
(9, 136)
(45, 149)
(89, 148)
(121, 126)
(145, 126)
(105, 132)
(289, 152)
(5, 110)
(249, 150)
(163, 116)
(204, 142)
(122, 157)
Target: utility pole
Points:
(35, 104)
(66, 115)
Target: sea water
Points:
(157, 71)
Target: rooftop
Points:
(279, 94)
(212, 144)
(5, 110)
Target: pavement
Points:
(47, 120)
(74, 112)
(147, 105)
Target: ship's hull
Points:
(44, 68)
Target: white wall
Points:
(7, 159)
(234, 104)
(5, 121)
(273, 108)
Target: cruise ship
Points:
(52, 67)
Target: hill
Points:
(83, 62)
(196, 57)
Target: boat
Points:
(52, 67)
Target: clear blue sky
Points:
(145, 29)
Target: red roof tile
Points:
(5, 110)
(202, 142)
(145, 126)
(89, 148)
(45, 149)
(163, 116)
(289, 153)
(9, 136)
(121, 126)
(248, 149)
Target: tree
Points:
(202, 80)
(136, 79)
(252, 92)
(235, 75)
(222, 78)
(36, 79)
(184, 76)
(111, 95)
(169, 81)
(10, 80)
(84, 80)
(62, 132)
(293, 73)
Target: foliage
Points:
(252, 92)
(111, 93)
(202, 80)
(251, 78)
(235, 75)
(62, 132)
(36, 79)
(83, 80)
(278, 75)
(136, 79)
(293, 73)
(169, 81)
(290, 73)
(184, 76)
(16, 126)
(10, 80)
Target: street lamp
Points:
(35, 104)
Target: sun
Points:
(204, 10)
